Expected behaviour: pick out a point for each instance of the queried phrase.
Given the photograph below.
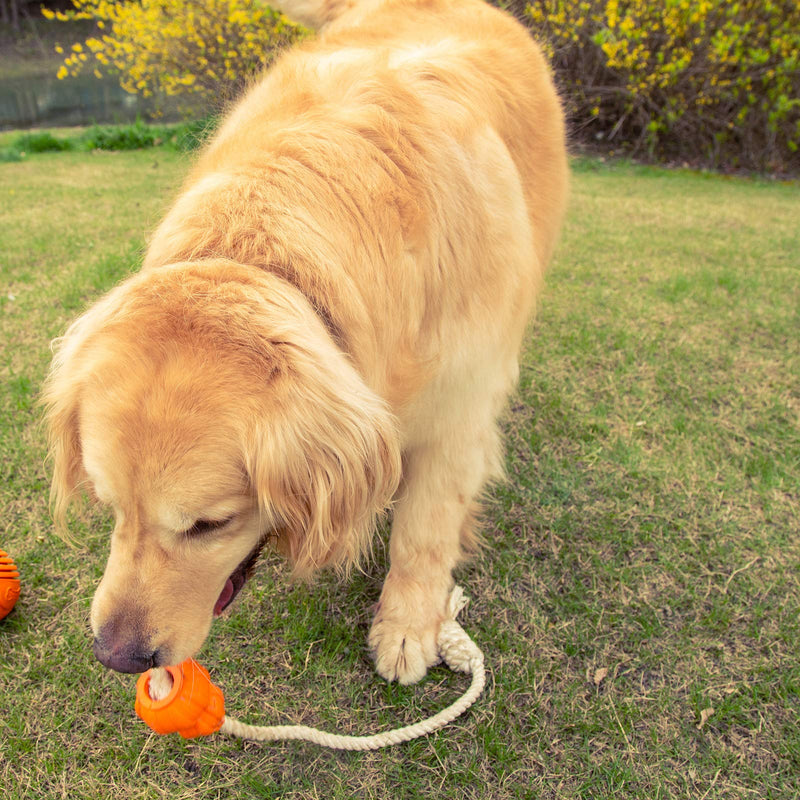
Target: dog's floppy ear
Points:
(61, 417)
(61, 398)
(325, 458)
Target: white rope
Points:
(456, 649)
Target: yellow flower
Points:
(179, 45)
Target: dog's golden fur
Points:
(326, 324)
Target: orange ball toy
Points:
(193, 707)
(9, 584)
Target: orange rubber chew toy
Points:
(193, 707)
(9, 584)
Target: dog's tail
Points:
(317, 14)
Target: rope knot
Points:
(456, 648)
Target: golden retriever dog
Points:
(324, 330)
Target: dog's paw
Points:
(404, 633)
(403, 651)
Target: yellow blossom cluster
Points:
(199, 47)
(718, 75)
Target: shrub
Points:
(709, 80)
(36, 142)
(183, 137)
(41, 142)
(121, 137)
(201, 48)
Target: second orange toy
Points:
(9, 584)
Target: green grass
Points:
(643, 561)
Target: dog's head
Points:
(210, 409)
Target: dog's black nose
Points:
(130, 659)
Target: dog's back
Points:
(414, 149)
(468, 52)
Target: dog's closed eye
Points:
(204, 526)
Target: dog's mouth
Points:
(237, 580)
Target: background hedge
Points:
(711, 82)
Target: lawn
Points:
(638, 601)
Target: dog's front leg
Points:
(432, 518)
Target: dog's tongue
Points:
(224, 598)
